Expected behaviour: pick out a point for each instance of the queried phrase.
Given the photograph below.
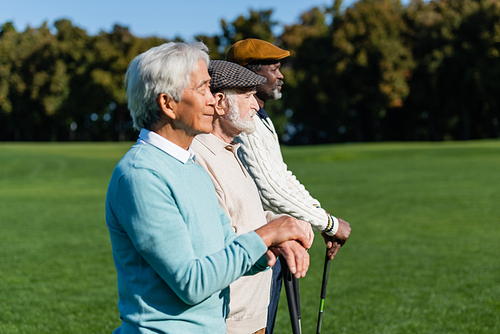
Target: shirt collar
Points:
(215, 144)
(262, 113)
(152, 138)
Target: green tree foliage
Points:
(258, 24)
(353, 73)
(34, 82)
(371, 64)
(66, 85)
(112, 52)
(456, 80)
(214, 44)
(306, 91)
(376, 70)
(76, 53)
(7, 34)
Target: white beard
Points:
(275, 94)
(246, 125)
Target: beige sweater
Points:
(239, 198)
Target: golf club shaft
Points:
(295, 283)
(326, 272)
(290, 297)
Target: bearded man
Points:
(234, 89)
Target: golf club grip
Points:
(326, 273)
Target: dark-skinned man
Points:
(279, 189)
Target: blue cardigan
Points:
(174, 249)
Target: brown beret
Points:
(224, 74)
(251, 50)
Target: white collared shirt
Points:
(152, 138)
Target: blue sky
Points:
(185, 18)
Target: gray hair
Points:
(165, 69)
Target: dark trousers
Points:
(275, 297)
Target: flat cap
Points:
(224, 74)
(252, 50)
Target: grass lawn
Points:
(422, 257)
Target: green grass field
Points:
(422, 257)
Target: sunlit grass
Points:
(422, 257)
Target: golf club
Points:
(292, 297)
(295, 283)
(326, 272)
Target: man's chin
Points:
(205, 129)
(250, 129)
(276, 94)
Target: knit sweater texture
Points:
(238, 196)
(280, 191)
(174, 249)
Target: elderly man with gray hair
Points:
(173, 246)
(234, 89)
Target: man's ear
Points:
(220, 103)
(167, 105)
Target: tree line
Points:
(377, 70)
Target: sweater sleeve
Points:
(150, 217)
(279, 189)
(229, 235)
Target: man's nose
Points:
(210, 99)
(254, 104)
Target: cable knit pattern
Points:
(279, 189)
